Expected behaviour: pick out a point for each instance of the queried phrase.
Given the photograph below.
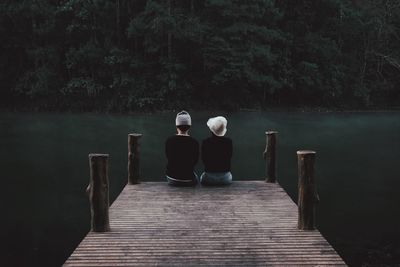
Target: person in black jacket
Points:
(182, 153)
(216, 154)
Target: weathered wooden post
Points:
(133, 158)
(270, 156)
(98, 192)
(308, 196)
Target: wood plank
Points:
(250, 223)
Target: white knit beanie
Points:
(183, 118)
(217, 125)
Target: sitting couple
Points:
(183, 153)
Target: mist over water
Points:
(45, 171)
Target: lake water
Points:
(44, 171)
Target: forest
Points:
(130, 55)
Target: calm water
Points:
(44, 171)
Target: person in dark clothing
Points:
(182, 153)
(216, 154)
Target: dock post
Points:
(133, 158)
(270, 156)
(308, 196)
(98, 192)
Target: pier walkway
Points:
(250, 223)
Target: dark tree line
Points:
(121, 55)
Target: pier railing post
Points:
(270, 156)
(133, 158)
(98, 192)
(308, 196)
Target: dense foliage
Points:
(121, 55)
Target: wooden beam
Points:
(308, 196)
(98, 192)
(270, 156)
(134, 158)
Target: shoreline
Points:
(321, 110)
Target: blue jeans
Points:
(216, 178)
(178, 182)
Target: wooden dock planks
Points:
(250, 223)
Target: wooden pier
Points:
(249, 223)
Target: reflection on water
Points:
(44, 170)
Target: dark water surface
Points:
(44, 173)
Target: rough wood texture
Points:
(246, 224)
(308, 196)
(98, 192)
(270, 156)
(133, 158)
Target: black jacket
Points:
(216, 153)
(182, 153)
